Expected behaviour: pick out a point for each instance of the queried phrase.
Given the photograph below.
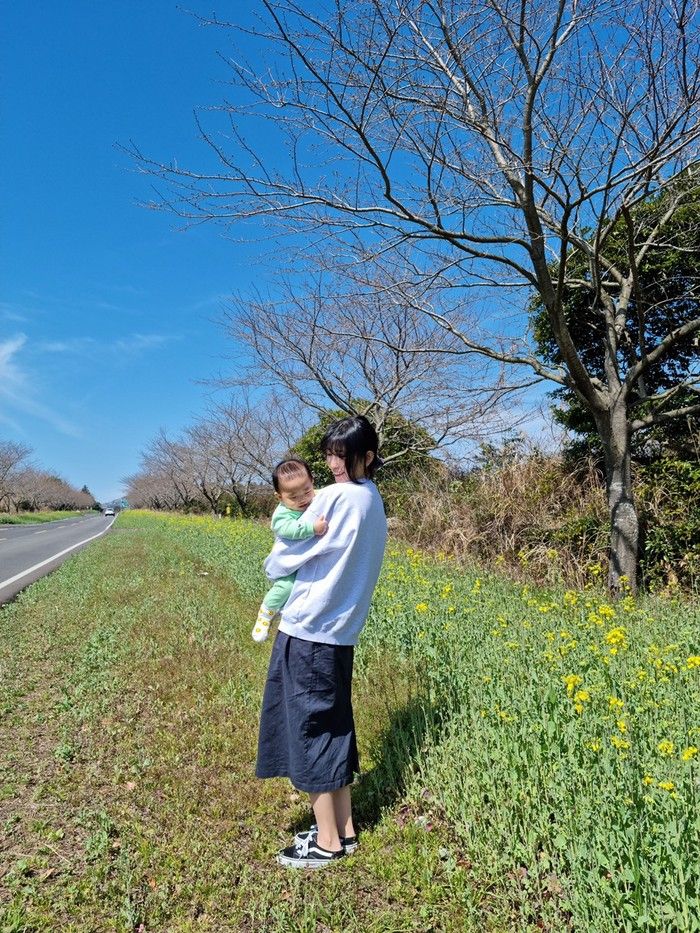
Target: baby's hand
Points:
(320, 526)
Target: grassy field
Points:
(531, 757)
(36, 518)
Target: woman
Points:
(307, 731)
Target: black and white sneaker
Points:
(349, 843)
(308, 854)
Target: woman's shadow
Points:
(395, 753)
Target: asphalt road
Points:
(28, 552)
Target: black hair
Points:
(352, 438)
(292, 466)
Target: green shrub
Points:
(668, 493)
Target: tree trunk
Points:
(240, 500)
(624, 522)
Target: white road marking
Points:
(41, 532)
(48, 560)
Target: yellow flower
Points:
(666, 785)
(572, 681)
(594, 746)
(693, 661)
(666, 747)
(615, 703)
(647, 780)
(689, 752)
(618, 742)
(422, 607)
(622, 725)
(617, 637)
(606, 611)
(582, 696)
(570, 598)
(477, 585)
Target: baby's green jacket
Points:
(289, 525)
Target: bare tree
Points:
(359, 347)
(13, 462)
(170, 460)
(496, 141)
(147, 489)
(229, 452)
(37, 489)
(253, 432)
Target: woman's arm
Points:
(287, 557)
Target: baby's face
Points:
(296, 492)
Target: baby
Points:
(293, 485)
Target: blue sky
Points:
(106, 309)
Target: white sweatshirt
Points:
(337, 573)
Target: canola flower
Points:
(552, 654)
(616, 638)
(572, 681)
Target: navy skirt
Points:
(307, 732)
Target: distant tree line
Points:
(25, 487)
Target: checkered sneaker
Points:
(349, 843)
(307, 854)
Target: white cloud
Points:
(16, 391)
(10, 374)
(128, 344)
(74, 345)
(135, 343)
(9, 313)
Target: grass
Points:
(130, 698)
(36, 518)
(531, 756)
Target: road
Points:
(28, 552)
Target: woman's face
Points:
(338, 467)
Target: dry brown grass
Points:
(534, 516)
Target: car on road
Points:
(109, 511)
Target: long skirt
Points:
(307, 732)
